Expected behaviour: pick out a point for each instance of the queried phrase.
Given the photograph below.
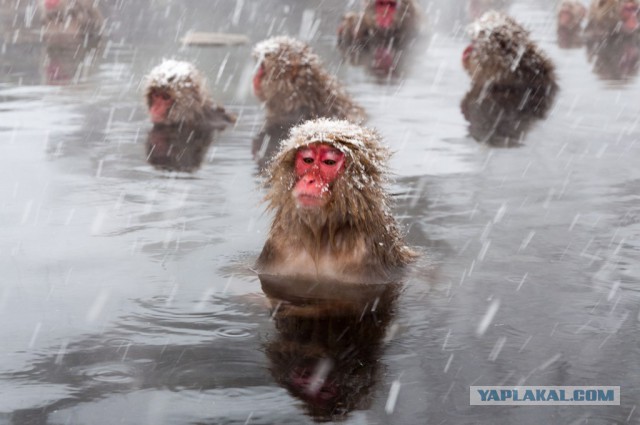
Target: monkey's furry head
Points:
(366, 157)
(295, 85)
(186, 86)
(503, 51)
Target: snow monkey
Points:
(176, 94)
(571, 14)
(612, 17)
(294, 86)
(332, 218)
(391, 21)
(612, 37)
(512, 80)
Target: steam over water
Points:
(127, 294)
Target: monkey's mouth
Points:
(310, 201)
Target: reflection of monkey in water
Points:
(177, 148)
(329, 341)
(613, 38)
(332, 217)
(513, 82)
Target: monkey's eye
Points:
(329, 162)
(308, 160)
(165, 96)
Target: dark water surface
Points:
(126, 295)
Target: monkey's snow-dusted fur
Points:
(295, 87)
(359, 29)
(353, 238)
(77, 18)
(192, 104)
(505, 63)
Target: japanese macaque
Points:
(294, 86)
(393, 22)
(609, 18)
(71, 19)
(176, 95)
(332, 218)
(329, 341)
(177, 148)
(571, 14)
(513, 82)
(613, 38)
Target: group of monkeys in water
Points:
(326, 183)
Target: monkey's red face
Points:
(466, 57)
(317, 166)
(257, 82)
(51, 4)
(386, 12)
(629, 17)
(566, 18)
(160, 103)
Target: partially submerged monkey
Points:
(295, 87)
(393, 22)
(72, 18)
(512, 80)
(176, 94)
(613, 38)
(609, 18)
(571, 14)
(332, 218)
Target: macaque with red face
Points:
(332, 220)
(176, 95)
(609, 18)
(512, 81)
(571, 14)
(391, 21)
(71, 19)
(612, 36)
(294, 86)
